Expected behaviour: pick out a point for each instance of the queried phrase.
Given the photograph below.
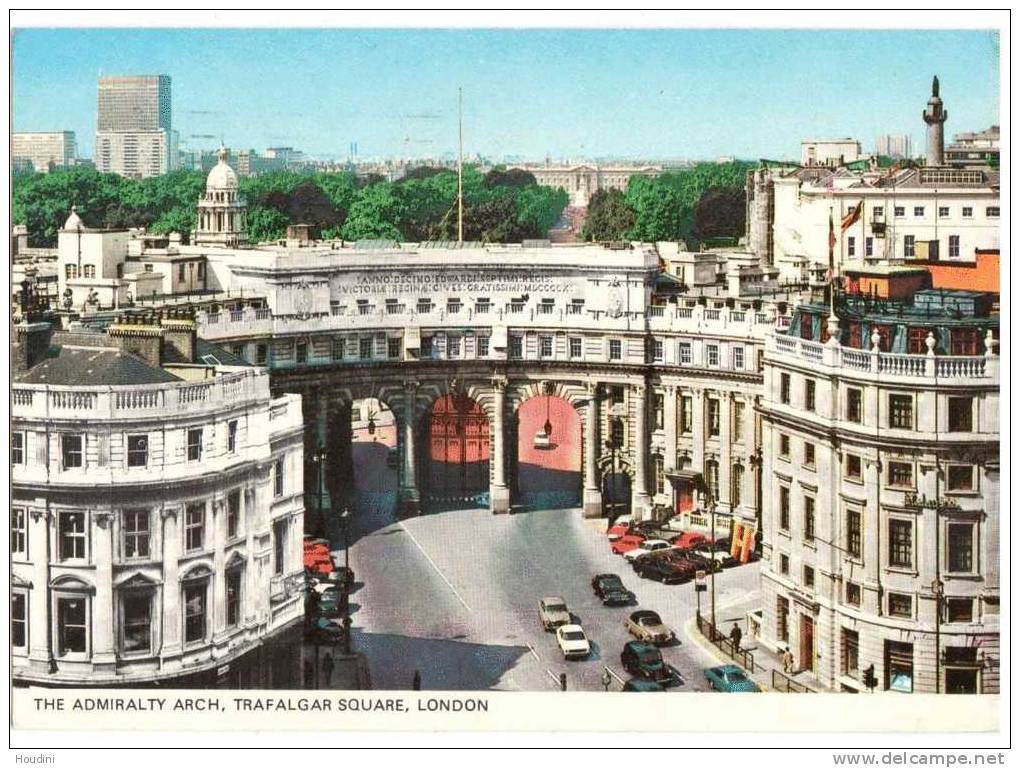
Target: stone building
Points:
(583, 180)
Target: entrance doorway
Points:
(374, 458)
(457, 462)
(807, 643)
(548, 465)
(615, 494)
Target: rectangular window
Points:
(575, 347)
(908, 246)
(960, 547)
(261, 353)
(959, 610)
(72, 625)
(616, 394)
(809, 577)
(424, 306)
(851, 246)
(337, 351)
(137, 629)
(684, 355)
(900, 605)
(483, 306)
(784, 446)
(809, 518)
(278, 478)
(616, 432)
(784, 508)
(853, 533)
(393, 348)
(195, 612)
(849, 647)
(547, 306)
(194, 526)
(686, 414)
(809, 394)
(901, 543)
(784, 388)
(899, 211)
(17, 448)
(738, 420)
(180, 272)
(137, 450)
(738, 358)
(233, 597)
(784, 564)
(19, 531)
(364, 308)
(853, 594)
(453, 346)
(545, 346)
(943, 211)
(136, 533)
(712, 354)
(615, 349)
(660, 402)
(918, 210)
(992, 211)
(427, 347)
(575, 307)
(901, 474)
(954, 246)
(961, 414)
(869, 247)
(960, 477)
(853, 466)
(71, 451)
(968, 211)
(19, 620)
(483, 346)
(901, 412)
(963, 341)
(853, 405)
(657, 350)
(916, 336)
(877, 212)
(365, 349)
(713, 417)
(233, 514)
(899, 666)
(279, 545)
(71, 535)
(809, 454)
(453, 306)
(301, 351)
(195, 444)
(232, 436)
(516, 307)
(516, 347)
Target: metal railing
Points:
(724, 644)
(784, 684)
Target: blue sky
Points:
(567, 93)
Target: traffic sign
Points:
(699, 581)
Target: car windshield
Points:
(573, 635)
(611, 581)
(649, 621)
(556, 607)
(650, 657)
(735, 676)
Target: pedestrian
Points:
(327, 668)
(735, 637)
(309, 673)
(787, 660)
(416, 682)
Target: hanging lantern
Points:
(543, 438)
(371, 425)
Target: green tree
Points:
(609, 217)
(266, 224)
(721, 212)
(374, 215)
(659, 210)
(182, 219)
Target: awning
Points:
(682, 474)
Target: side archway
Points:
(547, 470)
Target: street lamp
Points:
(345, 518)
(612, 444)
(711, 511)
(319, 459)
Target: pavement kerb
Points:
(695, 636)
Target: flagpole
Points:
(832, 268)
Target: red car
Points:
(626, 543)
(317, 558)
(617, 531)
(688, 540)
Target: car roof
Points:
(643, 613)
(641, 645)
(549, 600)
(727, 668)
(566, 627)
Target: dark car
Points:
(610, 590)
(322, 630)
(642, 684)
(331, 603)
(644, 660)
(664, 569)
(702, 563)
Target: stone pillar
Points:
(172, 618)
(40, 654)
(698, 427)
(640, 500)
(499, 492)
(592, 500)
(249, 520)
(725, 450)
(103, 656)
(218, 585)
(669, 416)
(410, 498)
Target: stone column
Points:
(640, 500)
(103, 656)
(592, 500)
(217, 588)
(725, 449)
(171, 584)
(669, 416)
(499, 492)
(40, 654)
(410, 499)
(698, 428)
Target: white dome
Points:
(74, 221)
(222, 176)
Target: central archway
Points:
(547, 471)
(457, 462)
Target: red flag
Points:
(851, 218)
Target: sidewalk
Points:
(340, 672)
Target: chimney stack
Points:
(179, 335)
(139, 335)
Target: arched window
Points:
(736, 484)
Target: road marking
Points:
(555, 677)
(437, 568)
(533, 653)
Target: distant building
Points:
(44, 150)
(978, 148)
(829, 152)
(583, 180)
(134, 137)
(893, 146)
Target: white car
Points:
(572, 641)
(678, 523)
(646, 547)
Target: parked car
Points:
(610, 590)
(688, 540)
(322, 630)
(646, 547)
(663, 569)
(626, 543)
(647, 626)
(730, 678)
(677, 523)
(317, 557)
(332, 603)
(552, 611)
(702, 563)
(646, 527)
(642, 684)
(572, 641)
(724, 559)
(617, 532)
(644, 660)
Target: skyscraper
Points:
(41, 151)
(897, 146)
(134, 136)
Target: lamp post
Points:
(345, 518)
(319, 459)
(612, 444)
(711, 510)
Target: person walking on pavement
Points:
(327, 668)
(736, 636)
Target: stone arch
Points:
(456, 447)
(546, 469)
(135, 579)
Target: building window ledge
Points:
(892, 569)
